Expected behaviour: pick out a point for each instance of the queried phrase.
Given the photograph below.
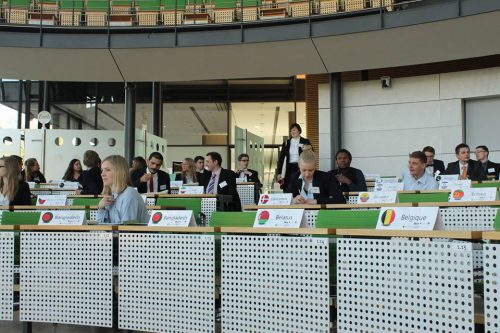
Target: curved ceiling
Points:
(322, 46)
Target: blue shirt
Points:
(306, 193)
(128, 206)
(426, 182)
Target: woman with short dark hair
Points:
(91, 178)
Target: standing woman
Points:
(288, 162)
(31, 172)
(74, 171)
(121, 202)
(12, 190)
(188, 174)
(91, 178)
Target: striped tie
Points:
(211, 184)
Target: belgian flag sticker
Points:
(388, 217)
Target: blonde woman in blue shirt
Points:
(121, 202)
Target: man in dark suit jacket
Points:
(325, 188)
(490, 169)
(464, 166)
(221, 181)
(433, 163)
(201, 172)
(248, 174)
(152, 179)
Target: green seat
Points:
(347, 219)
(18, 218)
(70, 5)
(232, 219)
(423, 197)
(19, 4)
(193, 204)
(86, 201)
(486, 184)
(170, 5)
(149, 5)
(97, 5)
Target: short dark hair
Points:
(18, 158)
(460, 146)
(429, 149)
(344, 151)
(197, 158)
(297, 126)
(156, 155)
(215, 156)
(483, 147)
(240, 157)
(420, 155)
(91, 159)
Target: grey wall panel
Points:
(276, 33)
(143, 40)
(209, 37)
(346, 25)
(85, 41)
(19, 39)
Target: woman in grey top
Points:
(121, 202)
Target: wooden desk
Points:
(272, 13)
(468, 235)
(197, 18)
(140, 228)
(289, 231)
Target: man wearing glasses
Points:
(244, 174)
(490, 168)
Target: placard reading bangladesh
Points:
(62, 217)
(388, 187)
(191, 189)
(282, 199)
(172, 218)
(473, 194)
(377, 197)
(449, 184)
(51, 200)
(410, 218)
(280, 218)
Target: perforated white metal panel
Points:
(246, 193)
(274, 284)
(404, 286)
(311, 216)
(167, 283)
(6, 275)
(150, 201)
(208, 206)
(468, 218)
(491, 288)
(67, 278)
(352, 199)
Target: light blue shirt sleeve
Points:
(128, 206)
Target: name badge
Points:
(491, 170)
(315, 190)
(163, 187)
(223, 184)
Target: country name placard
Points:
(409, 218)
(280, 218)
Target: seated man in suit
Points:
(201, 172)
(464, 166)
(248, 175)
(221, 181)
(416, 178)
(349, 178)
(311, 186)
(433, 164)
(490, 168)
(151, 179)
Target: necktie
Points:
(211, 184)
(151, 184)
(464, 172)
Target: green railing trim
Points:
(77, 5)
(97, 6)
(423, 197)
(122, 3)
(148, 5)
(193, 204)
(481, 185)
(347, 219)
(496, 223)
(20, 218)
(18, 3)
(86, 201)
(232, 219)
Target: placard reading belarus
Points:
(280, 218)
(409, 218)
(62, 217)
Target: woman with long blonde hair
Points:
(188, 174)
(12, 190)
(121, 202)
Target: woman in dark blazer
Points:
(288, 162)
(91, 179)
(13, 191)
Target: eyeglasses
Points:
(244, 160)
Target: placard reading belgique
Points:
(409, 218)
